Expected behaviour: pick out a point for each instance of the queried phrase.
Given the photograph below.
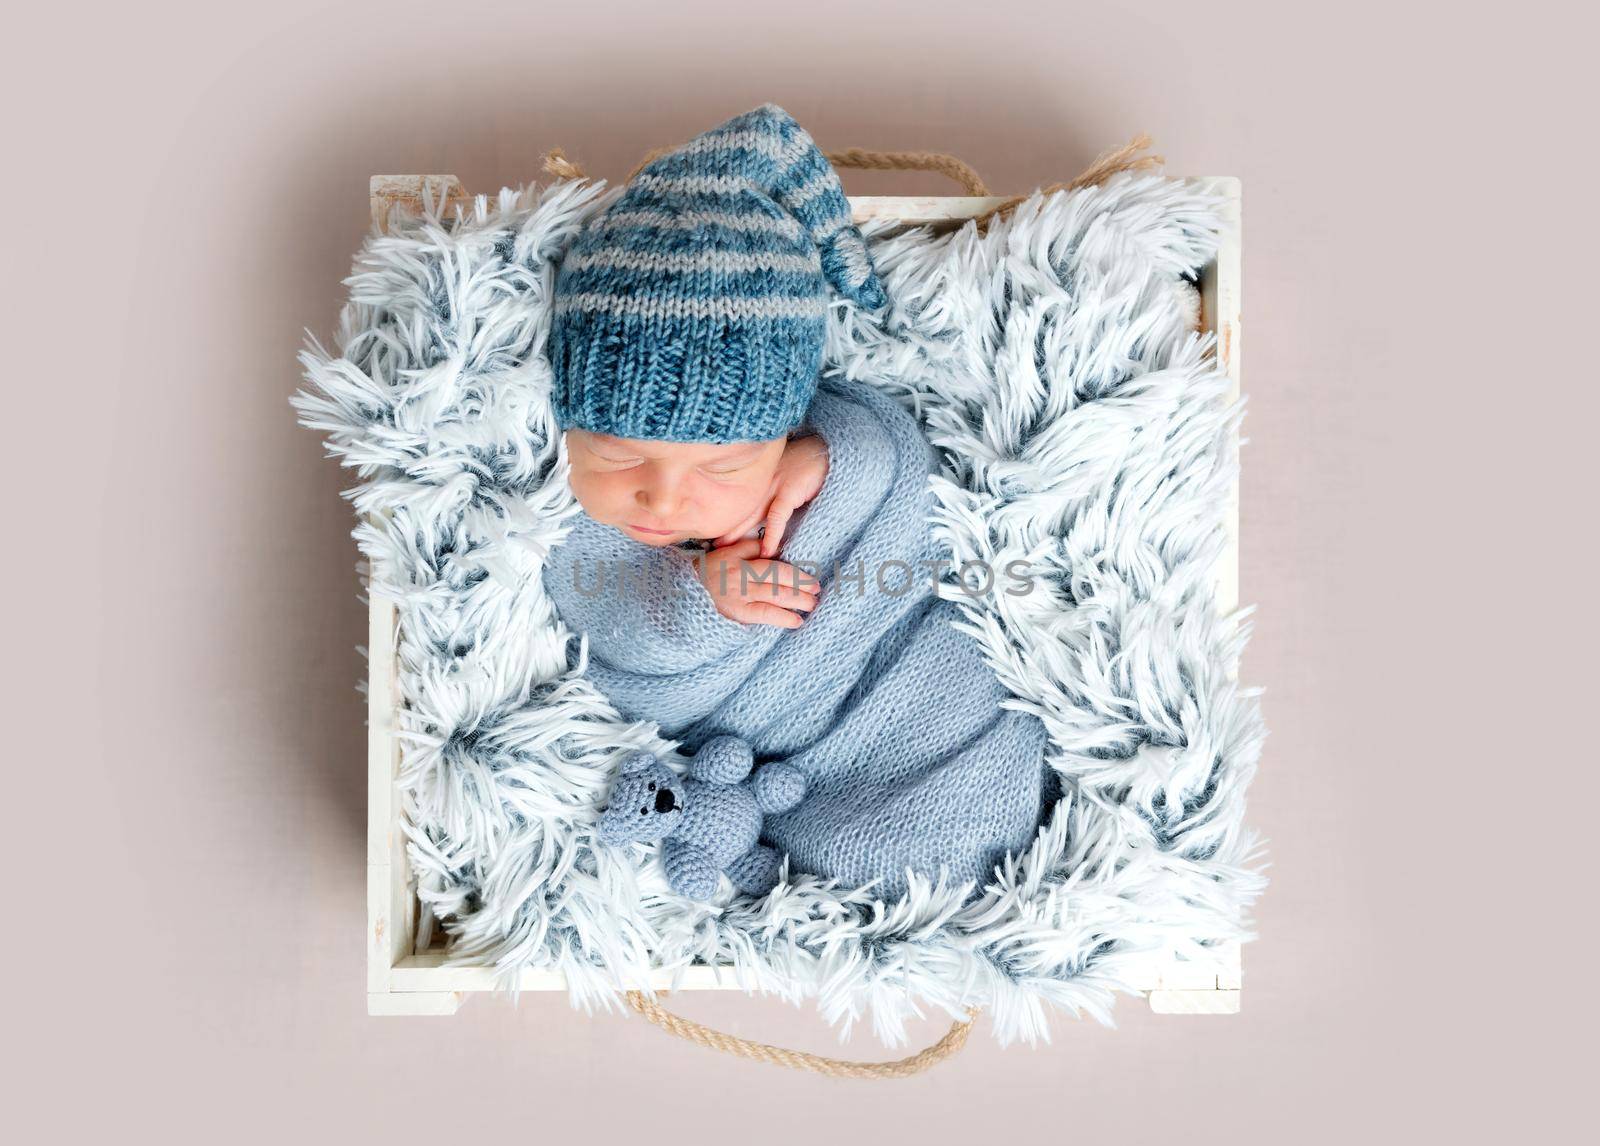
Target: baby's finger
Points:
(786, 596)
(766, 613)
(801, 594)
(777, 521)
(771, 580)
(797, 576)
(744, 547)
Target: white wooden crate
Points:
(405, 978)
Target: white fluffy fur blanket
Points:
(1083, 428)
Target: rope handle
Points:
(947, 1047)
(1128, 157)
(940, 161)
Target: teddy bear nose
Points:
(665, 800)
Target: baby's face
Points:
(660, 493)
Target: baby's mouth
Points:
(652, 532)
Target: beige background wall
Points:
(183, 783)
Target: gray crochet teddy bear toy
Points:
(710, 821)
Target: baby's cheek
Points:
(730, 506)
(599, 494)
(583, 490)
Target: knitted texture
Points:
(709, 821)
(694, 309)
(889, 712)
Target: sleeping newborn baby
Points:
(754, 556)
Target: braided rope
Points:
(862, 159)
(1128, 157)
(1113, 162)
(952, 1042)
(942, 162)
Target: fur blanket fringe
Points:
(1083, 428)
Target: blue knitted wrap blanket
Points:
(890, 711)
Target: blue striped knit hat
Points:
(694, 309)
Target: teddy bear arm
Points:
(778, 787)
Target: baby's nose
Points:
(660, 500)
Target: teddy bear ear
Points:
(638, 762)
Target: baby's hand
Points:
(780, 595)
(798, 479)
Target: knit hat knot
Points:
(695, 307)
